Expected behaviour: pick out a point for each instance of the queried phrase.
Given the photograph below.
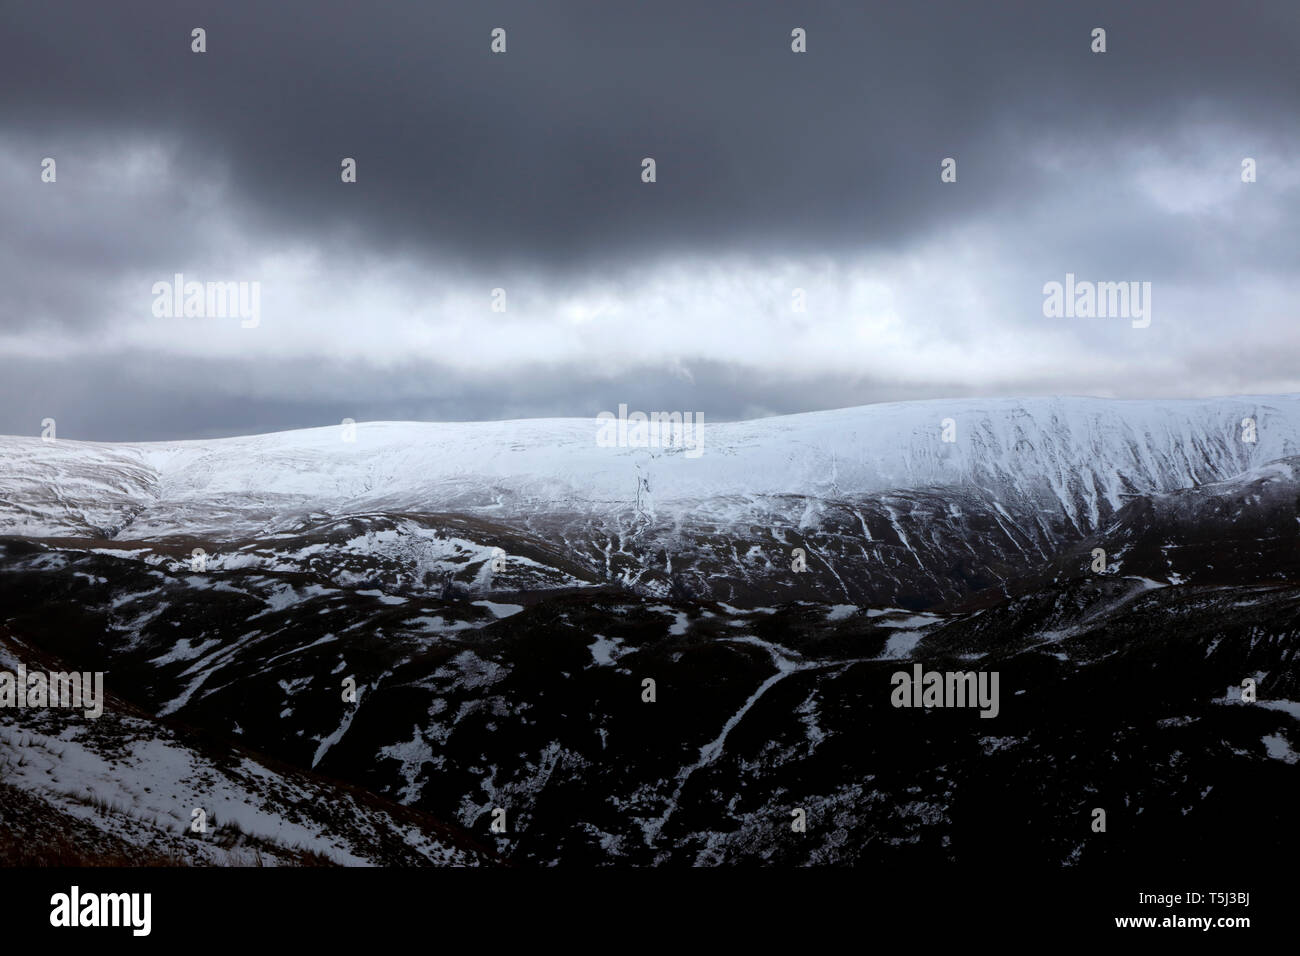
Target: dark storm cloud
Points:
(535, 155)
(775, 171)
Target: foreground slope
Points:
(1116, 692)
(122, 790)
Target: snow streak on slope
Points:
(129, 781)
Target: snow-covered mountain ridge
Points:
(1078, 457)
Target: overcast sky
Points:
(776, 171)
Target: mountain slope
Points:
(124, 788)
(882, 508)
(1083, 454)
(500, 593)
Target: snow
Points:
(331, 739)
(786, 663)
(140, 782)
(1291, 707)
(901, 645)
(384, 598)
(1064, 453)
(500, 610)
(184, 651)
(605, 650)
(1277, 747)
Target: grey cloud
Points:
(496, 167)
(118, 398)
(535, 155)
